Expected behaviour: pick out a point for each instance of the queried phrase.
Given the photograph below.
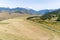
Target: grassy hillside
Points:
(15, 26)
(19, 28)
(55, 16)
(6, 15)
(51, 24)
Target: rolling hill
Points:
(21, 29)
(50, 19)
(15, 26)
(54, 15)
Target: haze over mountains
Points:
(25, 10)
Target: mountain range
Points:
(24, 10)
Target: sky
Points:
(32, 4)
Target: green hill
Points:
(55, 15)
(51, 20)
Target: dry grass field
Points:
(19, 28)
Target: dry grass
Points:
(20, 29)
